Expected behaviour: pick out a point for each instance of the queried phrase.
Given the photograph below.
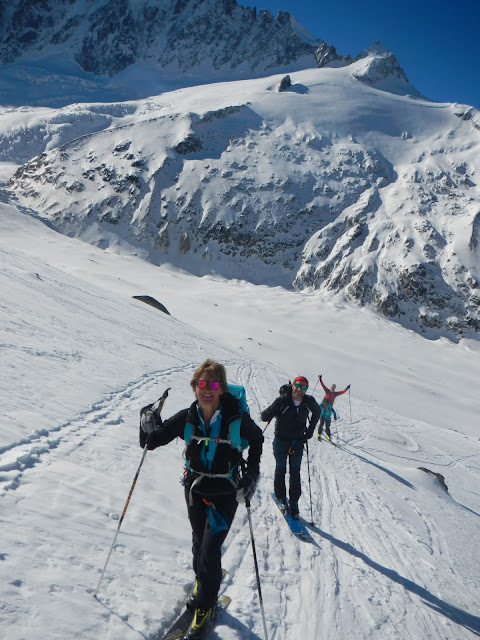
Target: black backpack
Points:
(286, 389)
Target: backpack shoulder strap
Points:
(188, 433)
(236, 439)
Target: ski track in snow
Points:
(28, 452)
(357, 581)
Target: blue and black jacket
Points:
(226, 458)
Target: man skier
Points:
(292, 410)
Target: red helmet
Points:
(301, 380)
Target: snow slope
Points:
(394, 555)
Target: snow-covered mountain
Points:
(340, 178)
(59, 52)
(107, 36)
(174, 42)
(331, 184)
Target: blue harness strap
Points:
(210, 442)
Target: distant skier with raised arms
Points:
(331, 394)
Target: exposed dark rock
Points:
(475, 235)
(326, 54)
(152, 302)
(285, 83)
(191, 144)
(184, 244)
(438, 476)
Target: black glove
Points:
(246, 488)
(320, 376)
(152, 440)
(307, 435)
(348, 387)
(335, 418)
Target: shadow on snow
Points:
(393, 475)
(456, 615)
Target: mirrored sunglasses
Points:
(304, 387)
(203, 384)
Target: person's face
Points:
(298, 392)
(208, 398)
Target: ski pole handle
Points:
(161, 400)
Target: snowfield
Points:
(394, 555)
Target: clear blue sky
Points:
(435, 41)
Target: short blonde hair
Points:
(214, 369)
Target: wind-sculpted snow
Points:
(337, 186)
(27, 132)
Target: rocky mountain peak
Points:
(377, 66)
(179, 42)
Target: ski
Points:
(181, 625)
(222, 604)
(297, 527)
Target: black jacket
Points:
(226, 457)
(291, 421)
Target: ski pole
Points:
(267, 425)
(243, 466)
(350, 402)
(309, 486)
(161, 402)
(260, 598)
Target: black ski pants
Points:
(327, 422)
(207, 545)
(284, 450)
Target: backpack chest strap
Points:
(234, 438)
